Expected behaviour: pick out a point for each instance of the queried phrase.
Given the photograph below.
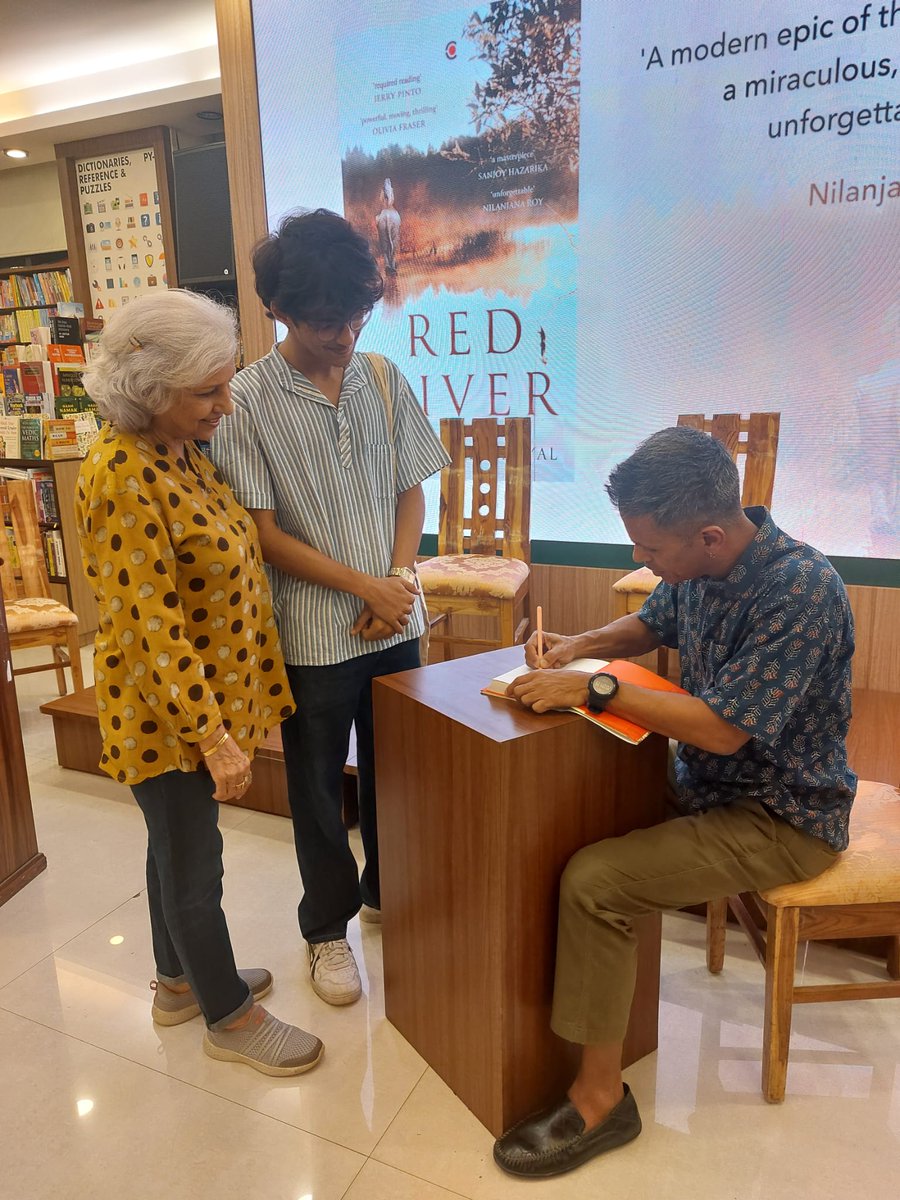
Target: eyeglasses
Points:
(327, 329)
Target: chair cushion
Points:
(472, 575)
(642, 580)
(37, 612)
(868, 871)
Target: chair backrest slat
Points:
(762, 449)
(8, 583)
(453, 489)
(26, 530)
(755, 437)
(491, 468)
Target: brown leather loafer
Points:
(554, 1141)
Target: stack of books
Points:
(44, 382)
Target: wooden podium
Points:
(481, 803)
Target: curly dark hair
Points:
(316, 267)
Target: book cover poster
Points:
(459, 138)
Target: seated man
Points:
(765, 634)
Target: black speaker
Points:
(203, 246)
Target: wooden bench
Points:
(78, 747)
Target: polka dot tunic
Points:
(186, 639)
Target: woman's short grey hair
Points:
(680, 477)
(152, 349)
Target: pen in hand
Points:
(539, 616)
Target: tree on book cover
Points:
(460, 164)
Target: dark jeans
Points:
(184, 890)
(329, 700)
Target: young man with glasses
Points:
(331, 470)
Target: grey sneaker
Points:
(266, 1044)
(333, 971)
(173, 1008)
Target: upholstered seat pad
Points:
(642, 580)
(37, 612)
(472, 575)
(868, 872)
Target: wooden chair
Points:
(33, 617)
(756, 439)
(482, 565)
(858, 897)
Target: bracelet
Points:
(221, 742)
(404, 573)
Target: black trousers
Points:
(329, 701)
(184, 890)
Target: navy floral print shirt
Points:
(768, 648)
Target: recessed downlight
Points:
(14, 153)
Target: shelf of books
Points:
(29, 299)
(47, 423)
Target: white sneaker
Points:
(333, 972)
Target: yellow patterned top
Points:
(186, 637)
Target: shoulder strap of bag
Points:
(379, 367)
(380, 370)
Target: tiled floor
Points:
(97, 1102)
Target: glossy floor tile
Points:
(96, 1101)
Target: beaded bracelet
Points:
(221, 742)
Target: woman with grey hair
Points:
(189, 674)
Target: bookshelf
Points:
(69, 587)
(30, 290)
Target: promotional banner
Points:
(608, 214)
(121, 224)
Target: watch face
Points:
(604, 685)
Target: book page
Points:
(590, 665)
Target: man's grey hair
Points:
(152, 349)
(681, 478)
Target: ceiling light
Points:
(16, 153)
(209, 114)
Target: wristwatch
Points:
(405, 573)
(601, 689)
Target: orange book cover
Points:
(57, 353)
(627, 672)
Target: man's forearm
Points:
(626, 637)
(410, 517)
(296, 558)
(686, 718)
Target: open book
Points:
(627, 672)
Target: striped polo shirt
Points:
(332, 476)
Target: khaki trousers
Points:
(740, 847)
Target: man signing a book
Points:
(765, 634)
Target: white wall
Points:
(31, 215)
